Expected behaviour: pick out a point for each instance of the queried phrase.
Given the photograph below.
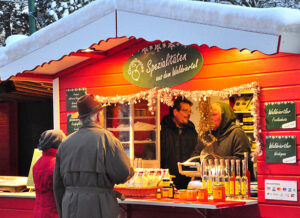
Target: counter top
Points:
(188, 204)
(154, 202)
(18, 194)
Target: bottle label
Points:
(237, 187)
(200, 196)
(204, 184)
(244, 187)
(171, 192)
(158, 195)
(217, 194)
(209, 186)
(227, 188)
(165, 192)
(232, 188)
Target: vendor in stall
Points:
(226, 140)
(178, 139)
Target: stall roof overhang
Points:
(51, 49)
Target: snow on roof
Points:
(263, 20)
(90, 13)
(270, 21)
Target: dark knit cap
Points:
(51, 139)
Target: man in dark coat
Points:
(88, 165)
(178, 139)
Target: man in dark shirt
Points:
(178, 139)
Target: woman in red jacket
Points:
(45, 206)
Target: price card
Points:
(281, 190)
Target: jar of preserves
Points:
(219, 192)
(202, 194)
(165, 192)
(191, 195)
(182, 194)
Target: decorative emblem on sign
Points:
(135, 70)
(162, 65)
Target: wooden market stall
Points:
(235, 56)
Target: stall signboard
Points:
(72, 96)
(281, 190)
(280, 115)
(162, 65)
(73, 123)
(281, 149)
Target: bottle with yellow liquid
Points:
(216, 172)
(246, 157)
(244, 183)
(238, 180)
(227, 179)
(222, 172)
(210, 178)
(204, 176)
(232, 180)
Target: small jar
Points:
(191, 195)
(219, 192)
(165, 192)
(182, 194)
(202, 194)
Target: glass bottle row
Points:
(227, 173)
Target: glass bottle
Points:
(232, 180)
(238, 179)
(227, 179)
(158, 193)
(210, 179)
(222, 171)
(244, 183)
(216, 172)
(171, 189)
(246, 157)
(204, 176)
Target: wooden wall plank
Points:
(250, 67)
(278, 211)
(264, 168)
(282, 93)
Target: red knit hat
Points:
(87, 105)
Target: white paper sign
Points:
(281, 190)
